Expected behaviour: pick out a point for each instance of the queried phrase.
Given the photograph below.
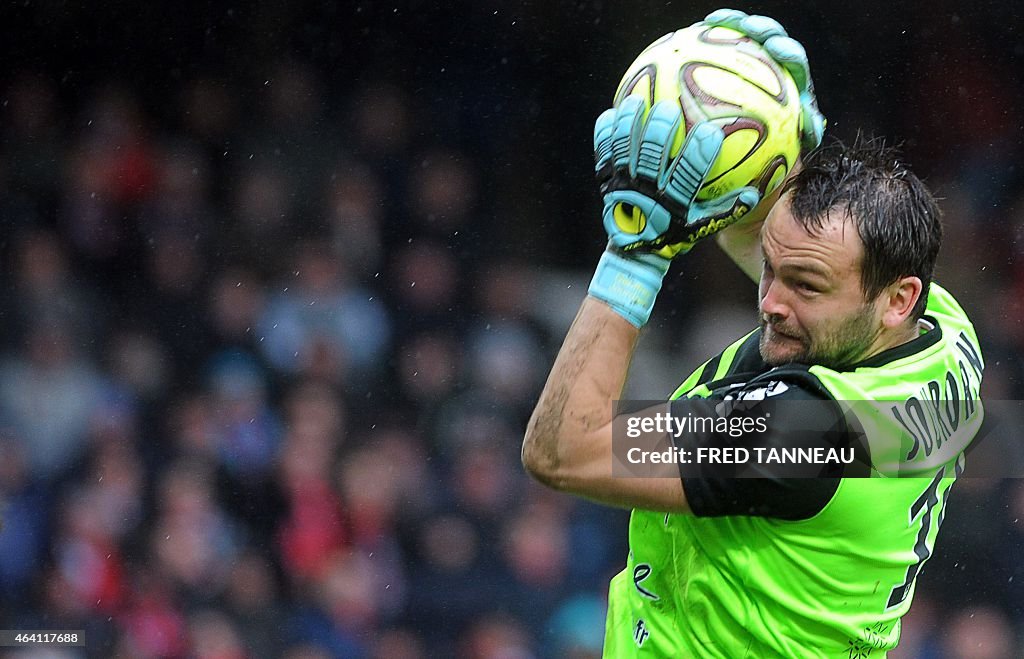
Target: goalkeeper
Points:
(770, 567)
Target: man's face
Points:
(813, 309)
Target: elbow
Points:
(540, 463)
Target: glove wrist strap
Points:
(629, 284)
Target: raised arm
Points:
(568, 442)
(651, 214)
(742, 241)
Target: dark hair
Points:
(896, 216)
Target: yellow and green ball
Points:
(717, 74)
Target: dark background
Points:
(941, 77)
(233, 423)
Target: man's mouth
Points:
(777, 332)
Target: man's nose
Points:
(773, 305)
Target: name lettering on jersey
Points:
(934, 414)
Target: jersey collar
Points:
(932, 334)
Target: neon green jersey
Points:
(833, 585)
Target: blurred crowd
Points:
(267, 399)
(268, 351)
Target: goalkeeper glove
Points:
(790, 54)
(650, 209)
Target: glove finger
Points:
(813, 123)
(685, 175)
(761, 28)
(726, 18)
(714, 215)
(627, 120)
(603, 138)
(791, 55)
(656, 142)
(757, 27)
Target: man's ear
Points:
(900, 299)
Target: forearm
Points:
(742, 244)
(568, 443)
(742, 241)
(587, 376)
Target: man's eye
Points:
(806, 288)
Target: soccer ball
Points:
(717, 74)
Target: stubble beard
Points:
(837, 349)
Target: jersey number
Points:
(928, 500)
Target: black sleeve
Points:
(801, 417)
